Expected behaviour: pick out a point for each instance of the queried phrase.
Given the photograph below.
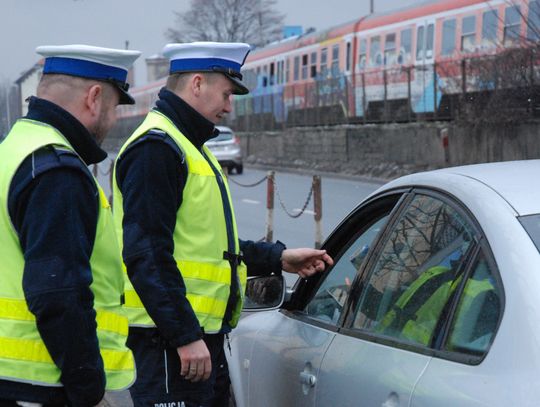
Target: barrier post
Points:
(317, 208)
(444, 141)
(270, 206)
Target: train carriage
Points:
(394, 66)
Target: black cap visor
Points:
(125, 98)
(122, 87)
(239, 87)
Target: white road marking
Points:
(251, 201)
(307, 211)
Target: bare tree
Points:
(253, 21)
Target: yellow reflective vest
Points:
(203, 232)
(23, 355)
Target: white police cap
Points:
(86, 61)
(223, 57)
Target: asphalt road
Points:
(339, 197)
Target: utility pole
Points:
(371, 6)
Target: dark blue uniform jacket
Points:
(53, 205)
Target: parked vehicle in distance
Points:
(226, 148)
(432, 301)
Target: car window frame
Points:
(482, 247)
(345, 232)
(479, 245)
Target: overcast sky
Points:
(110, 23)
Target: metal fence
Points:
(435, 91)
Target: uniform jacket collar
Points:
(76, 134)
(191, 123)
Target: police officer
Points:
(186, 265)
(62, 329)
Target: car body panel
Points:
(507, 179)
(358, 369)
(367, 373)
(281, 344)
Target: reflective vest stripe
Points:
(15, 309)
(106, 320)
(206, 304)
(35, 351)
(207, 272)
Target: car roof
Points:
(224, 129)
(517, 182)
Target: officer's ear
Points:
(94, 99)
(196, 83)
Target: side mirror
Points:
(264, 293)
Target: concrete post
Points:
(317, 208)
(270, 206)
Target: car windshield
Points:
(224, 135)
(531, 223)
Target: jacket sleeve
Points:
(54, 210)
(151, 180)
(262, 258)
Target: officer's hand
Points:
(305, 262)
(195, 361)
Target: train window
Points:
(362, 51)
(448, 37)
(296, 68)
(348, 57)
(272, 74)
(420, 43)
(304, 66)
(324, 56)
(490, 21)
(313, 72)
(335, 60)
(468, 34)
(265, 76)
(405, 42)
(375, 51)
(533, 21)
(287, 70)
(512, 20)
(429, 40)
(390, 49)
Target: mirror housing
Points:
(264, 293)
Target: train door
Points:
(423, 78)
(277, 100)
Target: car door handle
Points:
(308, 379)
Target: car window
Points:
(531, 223)
(223, 136)
(329, 299)
(416, 272)
(478, 312)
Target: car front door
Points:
(289, 345)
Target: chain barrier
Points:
(282, 204)
(247, 185)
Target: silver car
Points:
(226, 148)
(434, 300)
